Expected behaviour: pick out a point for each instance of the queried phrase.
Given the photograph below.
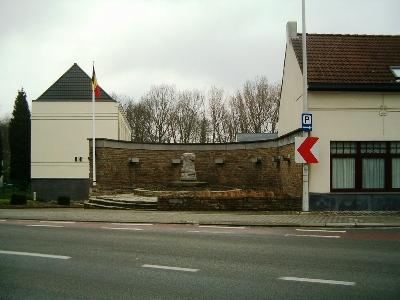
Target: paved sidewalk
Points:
(296, 219)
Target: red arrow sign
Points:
(305, 150)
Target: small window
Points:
(343, 147)
(395, 147)
(373, 147)
(396, 72)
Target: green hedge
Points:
(64, 200)
(18, 199)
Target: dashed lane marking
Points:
(314, 235)
(322, 230)
(122, 228)
(223, 227)
(44, 225)
(35, 254)
(206, 231)
(170, 268)
(58, 222)
(349, 283)
(133, 224)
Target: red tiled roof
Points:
(349, 58)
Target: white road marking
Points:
(133, 224)
(321, 230)
(223, 227)
(317, 280)
(58, 222)
(315, 235)
(122, 228)
(44, 225)
(3, 220)
(170, 268)
(35, 254)
(206, 231)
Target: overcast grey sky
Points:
(193, 44)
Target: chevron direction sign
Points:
(306, 150)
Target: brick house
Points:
(354, 97)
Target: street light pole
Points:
(305, 205)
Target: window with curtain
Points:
(365, 166)
(373, 173)
(396, 173)
(343, 173)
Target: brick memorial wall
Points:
(174, 203)
(262, 164)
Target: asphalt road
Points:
(68, 260)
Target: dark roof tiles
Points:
(73, 85)
(349, 58)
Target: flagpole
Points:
(94, 137)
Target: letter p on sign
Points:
(306, 150)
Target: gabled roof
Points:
(73, 85)
(350, 59)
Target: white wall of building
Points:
(291, 104)
(349, 117)
(60, 132)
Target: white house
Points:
(61, 127)
(354, 98)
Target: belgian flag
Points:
(95, 86)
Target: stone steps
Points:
(121, 202)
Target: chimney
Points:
(291, 30)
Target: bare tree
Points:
(239, 113)
(185, 119)
(231, 122)
(164, 115)
(257, 106)
(274, 99)
(218, 114)
(159, 101)
(204, 128)
(138, 116)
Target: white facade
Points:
(291, 103)
(60, 133)
(355, 116)
(349, 117)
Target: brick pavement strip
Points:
(215, 218)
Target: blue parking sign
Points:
(306, 122)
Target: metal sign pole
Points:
(305, 106)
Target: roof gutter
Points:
(353, 87)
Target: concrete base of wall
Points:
(50, 188)
(354, 202)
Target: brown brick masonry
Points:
(152, 167)
(240, 204)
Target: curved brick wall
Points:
(151, 164)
